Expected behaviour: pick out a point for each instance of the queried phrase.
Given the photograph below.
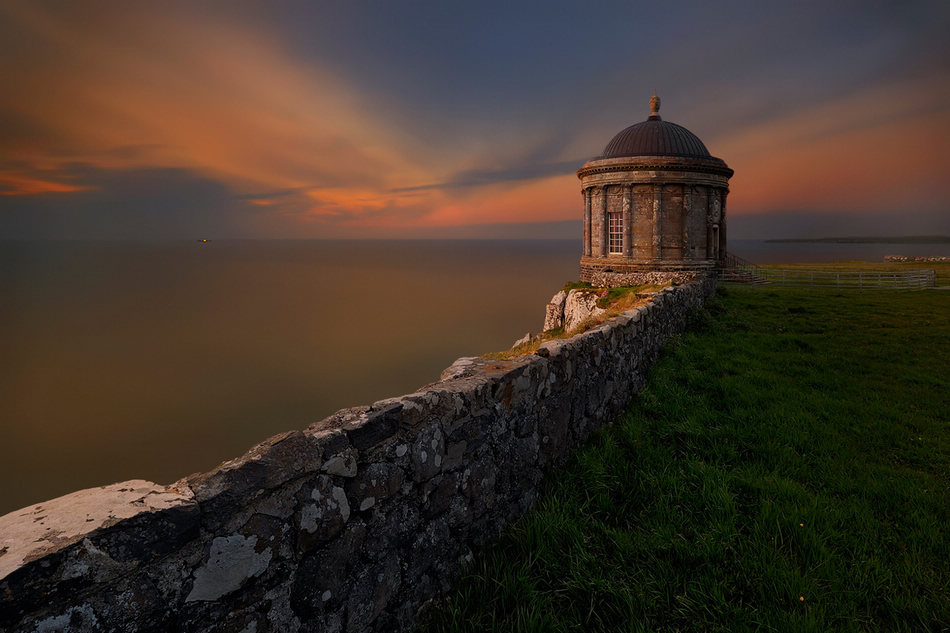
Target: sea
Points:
(153, 360)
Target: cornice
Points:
(659, 163)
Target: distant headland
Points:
(907, 239)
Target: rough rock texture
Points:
(521, 341)
(350, 525)
(35, 531)
(554, 312)
(580, 306)
(570, 309)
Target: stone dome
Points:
(655, 137)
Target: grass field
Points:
(787, 468)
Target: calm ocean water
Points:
(762, 252)
(155, 360)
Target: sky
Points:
(442, 119)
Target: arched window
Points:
(615, 233)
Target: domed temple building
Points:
(655, 200)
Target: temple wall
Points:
(675, 225)
(676, 219)
(642, 221)
(671, 226)
(352, 524)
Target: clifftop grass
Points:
(787, 468)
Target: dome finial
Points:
(654, 104)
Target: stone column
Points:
(722, 224)
(709, 224)
(657, 220)
(715, 213)
(604, 247)
(587, 234)
(628, 221)
(687, 210)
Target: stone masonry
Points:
(654, 200)
(352, 524)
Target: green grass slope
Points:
(786, 469)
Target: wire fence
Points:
(740, 270)
(916, 279)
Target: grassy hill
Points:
(786, 469)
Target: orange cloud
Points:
(136, 88)
(856, 154)
(232, 104)
(550, 199)
(220, 99)
(18, 184)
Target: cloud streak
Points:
(318, 120)
(220, 99)
(481, 177)
(863, 152)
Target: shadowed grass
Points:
(787, 468)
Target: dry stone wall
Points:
(916, 258)
(600, 278)
(352, 524)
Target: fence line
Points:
(910, 279)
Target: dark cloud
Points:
(136, 151)
(444, 70)
(128, 204)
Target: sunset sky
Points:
(449, 119)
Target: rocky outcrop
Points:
(570, 309)
(580, 306)
(523, 340)
(352, 524)
(554, 312)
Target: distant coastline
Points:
(907, 239)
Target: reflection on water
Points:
(154, 360)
